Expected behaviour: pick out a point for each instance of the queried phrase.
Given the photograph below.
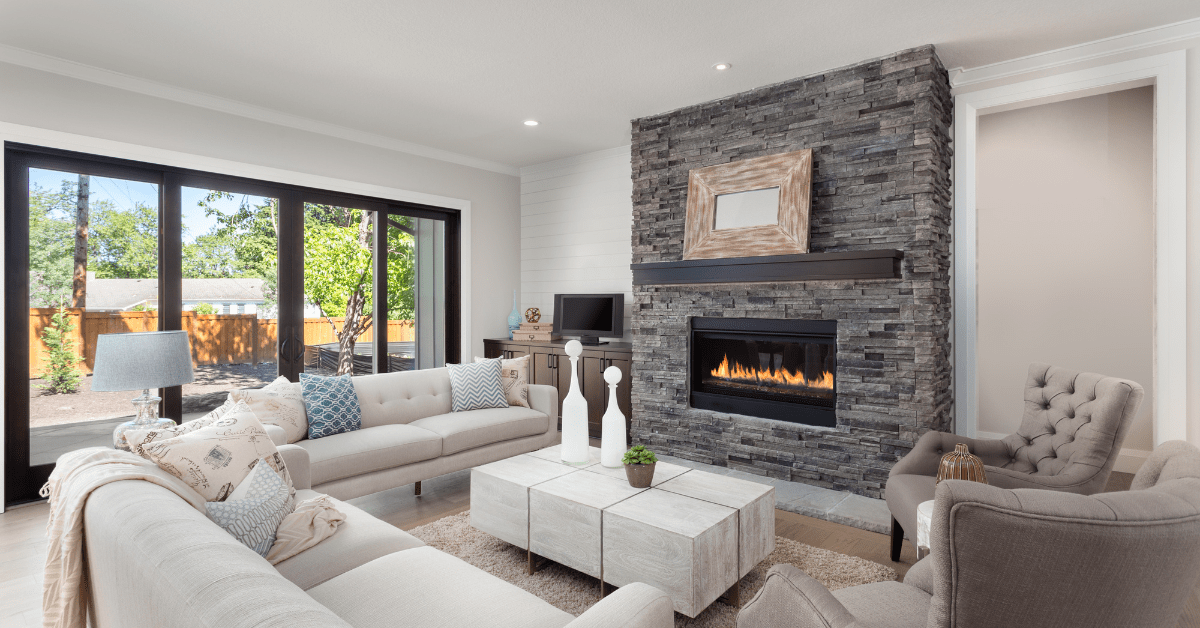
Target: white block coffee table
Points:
(692, 534)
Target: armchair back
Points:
(1029, 557)
(1073, 422)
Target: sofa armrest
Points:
(926, 455)
(792, 598)
(295, 458)
(276, 434)
(634, 605)
(544, 399)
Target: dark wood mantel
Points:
(874, 264)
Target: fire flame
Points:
(782, 376)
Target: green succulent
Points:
(639, 455)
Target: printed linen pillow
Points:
(331, 403)
(254, 509)
(279, 403)
(514, 377)
(476, 386)
(183, 428)
(214, 459)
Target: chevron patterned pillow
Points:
(254, 509)
(331, 404)
(475, 386)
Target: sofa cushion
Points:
(461, 431)
(477, 385)
(331, 405)
(254, 509)
(359, 540)
(280, 403)
(370, 449)
(425, 587)
(390, 398)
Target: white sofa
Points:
(409, 434)
(154, 561)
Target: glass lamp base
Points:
(147, 419)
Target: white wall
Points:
(1065, 211)
(1186, 37)
(576, 228)
(43, 100)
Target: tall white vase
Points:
(612, 425)
(574, 414)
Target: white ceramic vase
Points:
(574, 448)
(612, 424)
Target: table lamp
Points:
(141, 360)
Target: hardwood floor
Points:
(23, 543)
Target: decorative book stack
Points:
(535, 331)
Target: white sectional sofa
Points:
(153, 560)
(409, 434)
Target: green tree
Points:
(338, 246)
(61, 374)
(123, 243)
(205, 309)
(51, 241)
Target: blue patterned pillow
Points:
(254, 509)
(475, 386)
(331, 405)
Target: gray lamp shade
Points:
(134, 361)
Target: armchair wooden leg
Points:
(417, 492)
(897, 540)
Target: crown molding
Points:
(1127, 42)
(101, 76)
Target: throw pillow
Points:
(254, 509)
(331, 403)
(214, 459)
(514, 377)
(476, 386)
(145, 437)
(279, 403)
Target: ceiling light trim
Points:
(1117, 44)
(147, 87)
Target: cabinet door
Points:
(492, 349)
(514, 351)
(592, 382)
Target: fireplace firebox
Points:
(774, 369)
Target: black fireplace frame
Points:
(823, 331)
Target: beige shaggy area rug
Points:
(575, 592)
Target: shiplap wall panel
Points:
(576, 215)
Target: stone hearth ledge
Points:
(842, 507)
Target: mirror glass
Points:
(747, 209)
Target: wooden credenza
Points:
(550, 365)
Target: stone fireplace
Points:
(809, 368)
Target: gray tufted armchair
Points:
(1068, 440)
(1007, 558)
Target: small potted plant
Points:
(639, 466)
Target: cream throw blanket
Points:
(78, 473)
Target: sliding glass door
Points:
(267, 279)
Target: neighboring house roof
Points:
(121, 294)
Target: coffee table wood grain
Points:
(500, 495)
(565, 518)
(756, 510)
(686, 547)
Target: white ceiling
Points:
(462, 75)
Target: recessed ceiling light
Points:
(531, 123)
(722, 66)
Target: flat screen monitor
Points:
(590, 316)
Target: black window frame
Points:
(22, 481)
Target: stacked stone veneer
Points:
(879, 132)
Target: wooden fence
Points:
(215, 338)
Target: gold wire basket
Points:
(961, 464)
